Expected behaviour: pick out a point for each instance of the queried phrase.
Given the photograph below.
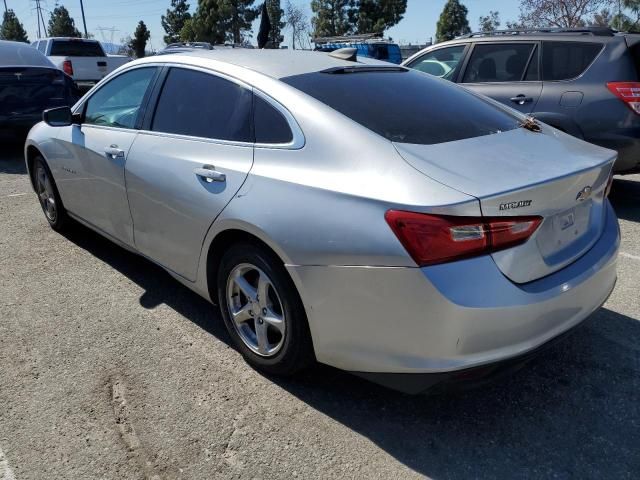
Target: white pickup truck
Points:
(83, 60)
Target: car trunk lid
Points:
(522, 173)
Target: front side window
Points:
(502, 62)
(567, 60)
(203, 105)
(117, 103)
(404, 105)
(440, 63)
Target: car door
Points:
(190, 159)
(93, 154)
(506, 72)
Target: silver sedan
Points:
(354, 213)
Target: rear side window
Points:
(503, 62)
(76, 48)
(200, 104)
(404, 105)
(567, 60)
(270, 126)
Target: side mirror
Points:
(58, 117)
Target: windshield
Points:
(405, 106)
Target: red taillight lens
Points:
(67, 67)
(607, 190)
(628, 92)
(433, 239)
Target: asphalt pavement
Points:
(111, 369)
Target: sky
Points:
(418, 25)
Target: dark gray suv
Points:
(585, 82)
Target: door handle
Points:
(114, 152)
(521, 99)
(209, 174)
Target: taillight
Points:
(67, 67)
(628, 92)
(607, 190)
(433, 239)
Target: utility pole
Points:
(84, 22)
(38, 17)
(41, 16)
(5, 6)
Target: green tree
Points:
(559, 13)
(11, 28)
(490, 23)
(331, 17)
(61, 24)
(376, 16)
(453, 21)
(277, 24)
(140, 38)
(237, 17)
(174, 20)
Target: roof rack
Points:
(595, 31)
(348, 38)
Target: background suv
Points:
(584, 82)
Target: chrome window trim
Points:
(177, 136)
(296, 143)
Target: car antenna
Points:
(348, 54)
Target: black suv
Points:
(585, 82)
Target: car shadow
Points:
(159, 287)
(625, 198)
(573, 412)
(12, 159)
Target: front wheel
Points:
(48, 195)
(262, 310)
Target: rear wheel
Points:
(262, 310)
(48, 195)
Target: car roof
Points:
(75, 39)
(274, 63)
(533, 36)
(18, 54)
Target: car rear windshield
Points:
(76, 48)
(635, 51)
(13, 54)
(405, 106)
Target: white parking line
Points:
(16, 195)
(5, 470)
(628, 255)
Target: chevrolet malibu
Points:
(354, 213)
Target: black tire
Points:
(296, 350)
(60, 221)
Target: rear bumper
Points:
(450, 317)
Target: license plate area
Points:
(564, 229)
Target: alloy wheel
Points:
(44, 189)
(256, 310)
